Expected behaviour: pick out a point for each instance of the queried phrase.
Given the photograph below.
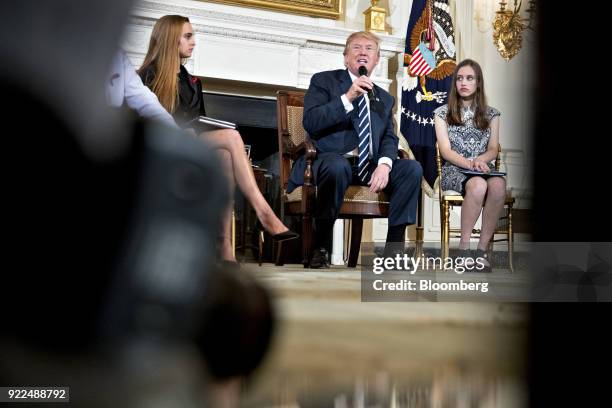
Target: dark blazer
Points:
(333, 131)
(191, 99)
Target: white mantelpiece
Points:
(256, 46)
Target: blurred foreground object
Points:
(110, 265)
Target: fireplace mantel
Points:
(256, 46)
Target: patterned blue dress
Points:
(468, 141)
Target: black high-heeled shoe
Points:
(280, 237)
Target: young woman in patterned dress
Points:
(467, 130)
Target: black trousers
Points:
(333, 174)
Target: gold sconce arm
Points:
(508, 27)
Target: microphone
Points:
(371, 94)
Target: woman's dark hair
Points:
(479, 103)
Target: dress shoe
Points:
(465, 257)
(394, 248)
(319, 259)
(482, 257)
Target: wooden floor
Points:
(333, 350)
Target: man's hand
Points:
(360, 86)
(379, 178)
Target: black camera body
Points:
(164, 268)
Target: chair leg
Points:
(418, 250)
(510, 240)
(356, 228)
(260, 249)
(442, 223)
(445, 229)
(306, 240)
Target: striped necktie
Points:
(364, 140)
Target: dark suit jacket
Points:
(333, 131)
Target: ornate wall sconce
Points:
(508, 27)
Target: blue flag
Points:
(429, 61)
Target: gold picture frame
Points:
(314, 8)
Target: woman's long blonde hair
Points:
(163, 56)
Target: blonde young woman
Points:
(172, 42)
(467, 130)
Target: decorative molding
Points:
(339, 49)
(229, 32)
(315, 8)
(248, 35)
(194, 12)
(334, 48)
(136, 40)
(311, 63)
(315, 48)
(389, 44)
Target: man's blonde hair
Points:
(362, 34)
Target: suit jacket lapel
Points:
(377, 121)
(193, 84)
(345, 84)
(376, 125)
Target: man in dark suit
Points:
(356, 144)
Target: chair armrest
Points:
(402, 154)
(308, 188)
(307, 147)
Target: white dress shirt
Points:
(348, 107)
(124, 84)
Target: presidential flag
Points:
(429, 61)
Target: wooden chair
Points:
(450, 199)
(359, 203)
